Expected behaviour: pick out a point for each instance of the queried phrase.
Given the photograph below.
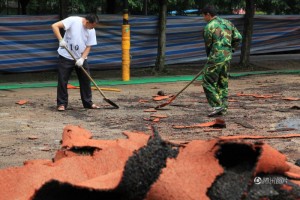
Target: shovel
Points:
(174, 97)
(87, 74)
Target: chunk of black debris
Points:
(237, 181)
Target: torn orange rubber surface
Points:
(212, 130)
(143, 101)
(105, 182)
(267, 164)
(156, 119)
(243, 94)
(292, 175)
(258, 136)
(159, 98)
(282, 129)
(268, 96)
(32, 137)
(159, 116)
(294, 172)
(217, 121)
(180, 126)
(69, 86)
(22, 102)
(264, 96)
(256, 95)
(62, 154)
(76, 136)
(291, 99)
(232, 100)
(189, 175)
(150, 110)
(286, 187)
(22, 182)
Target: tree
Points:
(161, 48)
(292, 6)
(145, 7)
(200, 4)
(181, 5)
(247, 33)
(278, 6)
(23, 4)
(2, 5)
(63, 12)
(111, 6)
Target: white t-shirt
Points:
(77, 37)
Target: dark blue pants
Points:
(65, 69)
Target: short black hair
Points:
(92, 18)
(210, 9)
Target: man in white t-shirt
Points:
(79, 36)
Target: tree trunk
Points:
(19, 7)
(247, 34)
(161, 49)
(200, 4)
(145, 7)
(111, 6)
(63, 9)
(24, 4)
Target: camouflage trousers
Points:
(215, 83)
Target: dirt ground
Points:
(33, 130)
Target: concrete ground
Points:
(33, 130)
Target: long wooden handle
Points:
(197, 75)
(174, 97)
(86, 73)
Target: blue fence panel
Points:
(27, 43)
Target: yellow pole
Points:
(125, 44)
(126, 52)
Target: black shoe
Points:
(216, 111)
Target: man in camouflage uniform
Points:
(221, 38)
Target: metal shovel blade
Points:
(111, 103)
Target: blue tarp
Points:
(27, 43)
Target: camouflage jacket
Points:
(221, 38)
